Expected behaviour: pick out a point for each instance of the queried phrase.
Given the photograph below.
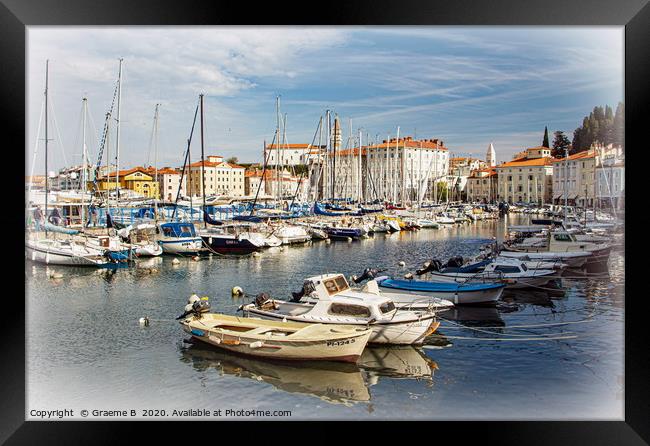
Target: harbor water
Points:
(548, 353)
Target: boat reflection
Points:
(335, 383)
(474, 316)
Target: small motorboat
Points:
(514, 273)
(343, 233)
(285, 340)
(64, 252)
(410, 291)
(328, 299)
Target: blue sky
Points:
(468, 86)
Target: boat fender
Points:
(193, 298)
(175, 261)
(408, 276)
(256, 344)
(402, 263)
(237, 291)
(144, 321)
(196, 258)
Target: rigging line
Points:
(38, 134)
(94, 129)
(153, 130)
(185, 162)
(313, 140)
(56, 126)
(263, 179)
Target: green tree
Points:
(232, 160)
(545, 142)
(560, 144)
(618, 126)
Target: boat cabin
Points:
(178, 230)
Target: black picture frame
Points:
(15, 15)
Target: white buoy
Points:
(175, 261)
(55, 275)
(408, 276)
(402, 263)
(144, 321)
(349, 239)
(193, 298)
(237, 291)
(328, 241)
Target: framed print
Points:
(379, 212)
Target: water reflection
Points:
(335, 383)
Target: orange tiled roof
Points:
(215, 164)
(291, 146)
(585, 154)
(524, 162)
(122, 173)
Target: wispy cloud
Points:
(468, 86)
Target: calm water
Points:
(86, 350)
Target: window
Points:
(507, 269)
(387, 307)
(349, 310)
(562, 237)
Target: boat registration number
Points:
(341, 342)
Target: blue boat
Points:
(411, 291)
(179, 238)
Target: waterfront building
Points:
(527, 178)
(169, 182)
(140, 180)
(275, 184)
(401, 169)
(291, 154)
(574, 179)
(482, 185)
(610, 176)
(221, 178)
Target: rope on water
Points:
(499, 339)
(482, 330)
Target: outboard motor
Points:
(454, 262)
(264, 302)
(433, 265)
(368, 274)
(195, 306)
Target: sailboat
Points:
(50, 250)
(219, 238)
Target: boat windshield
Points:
(336, 285)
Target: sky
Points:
(468, 86)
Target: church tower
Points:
(491, 157)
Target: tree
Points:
(232, 160)
(601, 126)
(618, 126)
(545, 142)
(560, 145)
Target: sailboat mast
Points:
(47, 69)
(83, 158)
(205, 224)
(155, 162)
(117, 136)
(277, 146)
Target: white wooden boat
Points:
(278, 339)
(328, 299)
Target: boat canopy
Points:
(178, 229)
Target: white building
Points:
(221, 178)
(395, 170)
(290, 154)
(527, 178)
(169, 183)
(574, 179)
(610, 176)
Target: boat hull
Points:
(57, 257)
(410, 332)
(402, 294)
(230, 245)
(183, 245)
